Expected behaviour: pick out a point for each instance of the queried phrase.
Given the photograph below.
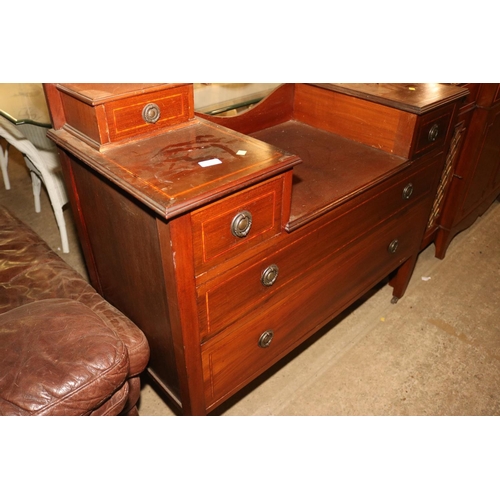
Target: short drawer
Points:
(147, 113)
(239, 222)
(101, 114)
(241, 290)
(251, 345)
(432, 130)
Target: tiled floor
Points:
(436, 352)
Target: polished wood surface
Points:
(333, 211)
(418, 98)
(333, 169)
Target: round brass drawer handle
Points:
(266, 338)
(393, 246)
(269, 275)
(433, 132)
(408, 191)
(151, 113)
(241, 224)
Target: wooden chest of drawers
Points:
(229, 267)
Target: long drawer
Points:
(234, 294)
(253, 343)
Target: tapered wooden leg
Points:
(402, 278)
(442, 242)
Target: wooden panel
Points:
(484, 170)
(178, 267)
(56, 109)
(276, 108)
(373, 124)
(489, 94)
(417, 98)
(81, 119)
(128, 263)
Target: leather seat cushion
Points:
(49, 368)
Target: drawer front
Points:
(295, 255)
(236, 223)
(148, 113)
(432, 130)
(248, 347)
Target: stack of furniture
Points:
(230, 241)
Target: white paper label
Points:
(209, 163)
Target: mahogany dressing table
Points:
(229, 241)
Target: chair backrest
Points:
(37, 135)
(16, 138)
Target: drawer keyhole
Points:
(241, 224)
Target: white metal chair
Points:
(40, 156)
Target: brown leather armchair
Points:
(64, 350)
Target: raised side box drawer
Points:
(239, 222)
(102, 114)
(432, 130)
(234, 357)
(145, 114)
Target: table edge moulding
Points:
(231, 240)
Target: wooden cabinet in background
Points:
(471, 179)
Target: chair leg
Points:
(4, 163)
(56, 207)
(37, 186)
(58, 212)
